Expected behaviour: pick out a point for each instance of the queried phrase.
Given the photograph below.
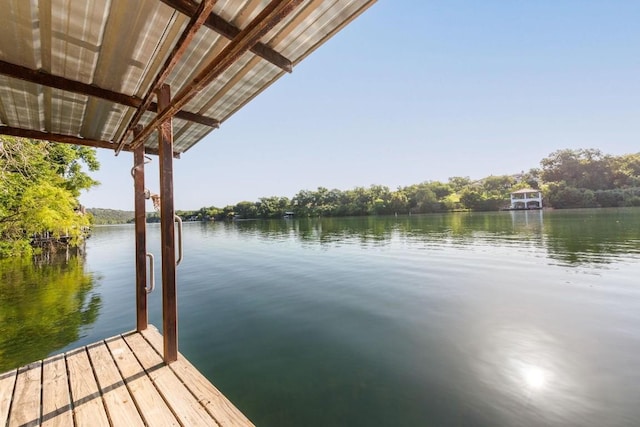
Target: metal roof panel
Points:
(120, 47)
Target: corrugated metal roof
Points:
(121, 46)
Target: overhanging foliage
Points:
(39, 185)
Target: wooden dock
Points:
(121, 381)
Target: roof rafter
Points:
(196, 21)
(268, 18)
(230, 31)
(66, 139)
(45, 79)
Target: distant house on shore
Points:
(526, 198)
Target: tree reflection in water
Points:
(570, 237)
(44, 305)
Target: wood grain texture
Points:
(7, 381)
(122, 381)
(141, 237)
(120, 406)
(186, 407)
(25, 410)
(218, 406)
(87, 402)
(152, 407)
(167, 232)
(56, 400)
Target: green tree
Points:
(588, 178)
(458, 183)
(110, 216)
(583, 168)
(399, 202)
(440, 189)
(422, 198)
(585, 177)
(626, 171)
(68, 160)
(246, 210)
(471, 198)
(39, 185)
(562, 196)
(303, 203)
(498, 186)
(272, 207)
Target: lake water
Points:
(482, 319)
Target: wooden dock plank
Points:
(218, 406)
(122, 381)
(183, 403)
(56, 401)
(87, 401)
(7, 382)
(119, 404)
(25, 410)
(151, 405)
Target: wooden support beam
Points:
(55, 137)
(190, 117)
(230, 31)
(269, 17)
(45, 79)
(167, 232)
(68, 139)
(195, 23)
(141, 237)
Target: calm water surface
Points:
(497, 319)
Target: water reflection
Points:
(571, 237)
(527, 222)
(44, 306)
(461, 319)
(528, 375)
(592, 236)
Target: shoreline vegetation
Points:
(41, 183)
(583, 178)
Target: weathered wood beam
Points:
(141, 237)
(69, 139)
(167, 232)
(189, 116)
(269, 17)
(55, 137)
(45, 79)
(230, 31)
(195, 23)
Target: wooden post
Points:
(141, 236)
(169, 300)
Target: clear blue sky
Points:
(420, 90)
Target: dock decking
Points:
(121, 381)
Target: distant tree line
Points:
(110, 216)
(40, 183)
(568, 179)
(458, 193)
(589, 178)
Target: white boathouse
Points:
(526, 198)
